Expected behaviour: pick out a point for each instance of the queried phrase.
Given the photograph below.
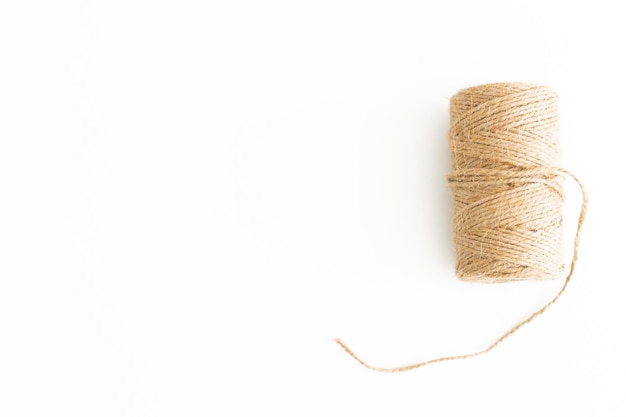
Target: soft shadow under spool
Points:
(507, 191)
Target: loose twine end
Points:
(581, 218)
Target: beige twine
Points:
(507, 192)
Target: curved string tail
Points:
(581, 219)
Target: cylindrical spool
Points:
(507, 200)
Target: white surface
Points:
(197, 197)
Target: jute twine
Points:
(507, 192)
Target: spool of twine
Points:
(507, 191)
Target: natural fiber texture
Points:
(507, 196)
(507, 192)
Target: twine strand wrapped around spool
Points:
(507, 192)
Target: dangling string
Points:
(581, 218)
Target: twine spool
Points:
(507, 198)
(507, 190)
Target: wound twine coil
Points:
(507, 191)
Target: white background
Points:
(197, 197)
